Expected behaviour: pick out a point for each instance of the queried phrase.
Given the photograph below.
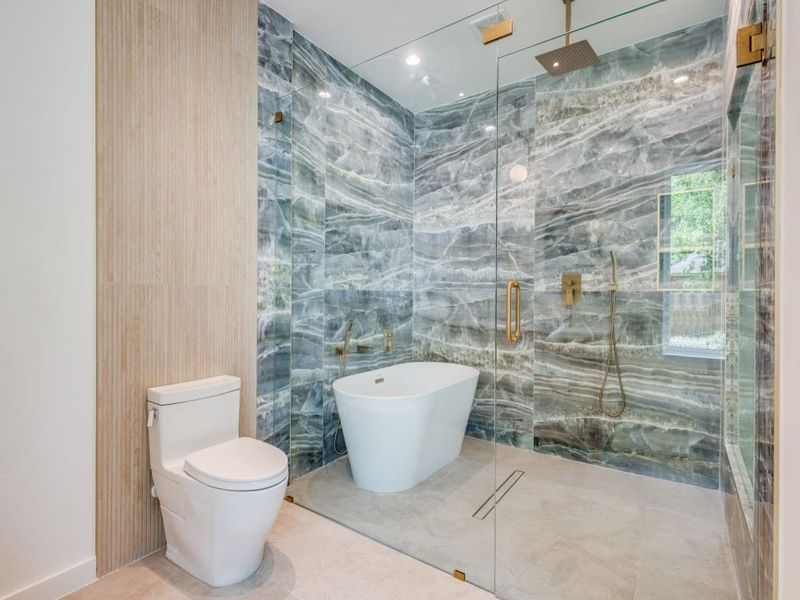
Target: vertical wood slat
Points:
(176, 232)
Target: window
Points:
(689, 266)
(687, 232)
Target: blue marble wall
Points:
(336, 195)
(469, 230)
(598, 147)
(353, 163)
(413, 223)
(629, 129)
(274, 228)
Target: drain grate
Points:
(500, 493)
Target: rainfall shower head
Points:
(572, 56)
(569, 58)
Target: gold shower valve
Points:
(571, 288)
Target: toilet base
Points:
(215, 535)
(232, 576)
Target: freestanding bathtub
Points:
(405, 422)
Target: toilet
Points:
(219, 493)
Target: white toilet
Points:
(219, 493)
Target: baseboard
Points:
(60, 584)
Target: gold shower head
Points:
(569, 58)
(572, 56)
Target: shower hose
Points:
(612, 348)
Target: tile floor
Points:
(307, 557)
(565, 530)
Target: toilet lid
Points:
(239, 464)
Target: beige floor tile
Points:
(688, 547)
(136, 582)
(307, 557)
(565, 531)
(561, 516)
(571, 571)
(657, 584)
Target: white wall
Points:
(47, 298)
(788, 294)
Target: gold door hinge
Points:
(460, 575)
(753, 45)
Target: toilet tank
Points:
(185, 417)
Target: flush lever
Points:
(152, 417)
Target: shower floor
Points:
(564, 530)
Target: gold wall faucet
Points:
(571, 288)
(388, 341)
(343, 350)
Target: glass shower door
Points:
(611, 216)
(390, 238)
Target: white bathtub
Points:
(405, 422)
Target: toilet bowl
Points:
(219, 493)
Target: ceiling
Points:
(353, 31)
(453, 61)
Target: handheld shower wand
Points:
(612, 347)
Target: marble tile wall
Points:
(457, 260)
(454, 243)
(765, 319)
(352, 225)
(354, 204)
(553, 217)
(629, 129)
(335, 235)
(274, 228)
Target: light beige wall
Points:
(788, 218)
(176, 232)
(47, 309)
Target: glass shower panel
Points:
(393, 242)
(612, 215)
(749, 275)
(745, 180)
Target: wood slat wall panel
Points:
(176, 232)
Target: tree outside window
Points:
(689, 265)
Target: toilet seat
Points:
(240, 464)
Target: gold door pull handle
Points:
(513, 288)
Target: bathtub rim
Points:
(470, 373)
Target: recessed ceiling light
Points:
(324, 94)
(489, 128)
(555, 65)
(460, 94)
(681, 79)
(413, 60)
